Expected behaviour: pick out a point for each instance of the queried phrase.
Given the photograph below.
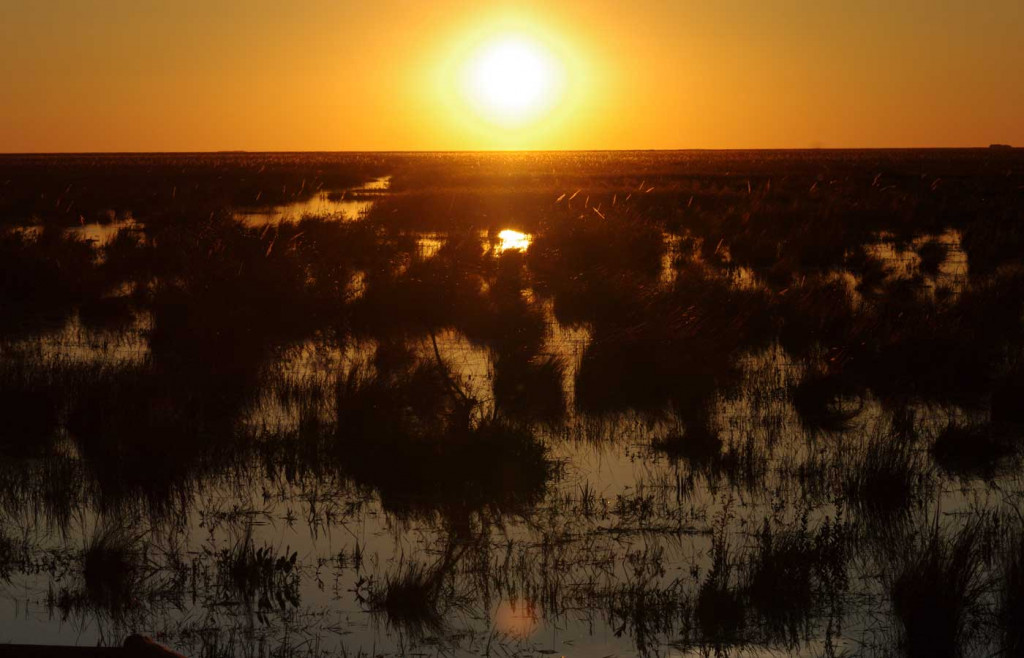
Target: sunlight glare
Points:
(512, 80)
(509, 240)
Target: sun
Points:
(512, 80)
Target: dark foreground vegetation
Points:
(711, 402)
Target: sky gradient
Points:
(116, 75)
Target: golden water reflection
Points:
(516, 619)
(509, 240)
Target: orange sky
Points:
(143, 75)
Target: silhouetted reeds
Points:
(263, 578)
(935, 588)
(1011, 597)
(42, 279)
(887, 479)
(411, 600)
(91, 187)
(973, 450)
(788, 328)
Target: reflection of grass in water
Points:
(1011, 596)
(29, 410)
(932, 253)
(818, 401)
(109, 567)
(935, 588)
(529, 390)
(261, 577)
(115, 577)
(886, 478)
(42, 279)
(768, 260)
(410, 435)
(792, 574)
(12, 556)
(411, 600)
(718, 610)
(973, 451)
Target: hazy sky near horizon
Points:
(148, 75)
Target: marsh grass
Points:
(529, 389)
(700, 446)
(976, 451)
(263, 579)
(782, 338)
(29, 408)
(12, 556)
(412, 600)
(68, 189)
(1011, 596)
(932, 252)
(42, 279)
(111, 568)
(1007, 398)
(719, 610)
(818, 399)
(888, 479)
(114, 577)
(935, 589)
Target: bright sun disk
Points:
(512, 80)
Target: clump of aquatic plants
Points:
(261, 578)
(936, 588)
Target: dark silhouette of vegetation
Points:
(561, 424)
(935, 590)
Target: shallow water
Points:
(191, 453)
(615, 510)
(348, 205)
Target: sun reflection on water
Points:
(509, 240)
(516, 619)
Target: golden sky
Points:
(147, 75)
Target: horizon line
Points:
(993, 146)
